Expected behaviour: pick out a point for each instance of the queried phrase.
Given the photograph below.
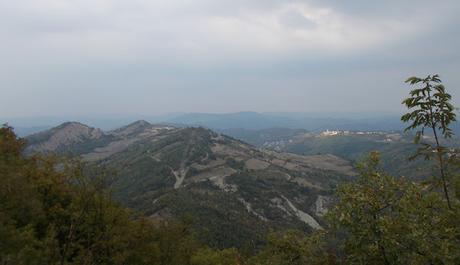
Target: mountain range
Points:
(231, 192)
(241, 120)
(257, 121)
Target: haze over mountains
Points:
(243, 120)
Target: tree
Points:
(387, 220)
(293, 247)
(208, 256)
(431, 109)
(54, 214)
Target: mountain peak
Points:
(66, 134)
(140, 123)
(73, 124)
(132, 128)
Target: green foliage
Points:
(431, 108)
(217, 218)
(208, 256)
(51, 216)
(239, 165)
(378, 219)
(292, 248)
(386, 220)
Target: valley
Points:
(395, 147)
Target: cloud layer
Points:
(149, 57)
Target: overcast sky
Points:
(150, 57)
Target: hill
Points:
(314, 122)
(395, 147)
(69, 136)
(232, 192)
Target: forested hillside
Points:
(231, 193)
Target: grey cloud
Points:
(147, 57)
(296, 20)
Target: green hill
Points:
(232, 193)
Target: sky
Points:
(151, 57)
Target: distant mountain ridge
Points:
(234, 192)
(257, 121)
(239, 120)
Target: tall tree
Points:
(431, 109)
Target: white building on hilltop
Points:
(329, 133)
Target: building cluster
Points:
(340, 132)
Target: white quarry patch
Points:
(320, 205)
(250, 210)
(279, 204)
(180, 176)
(156, 157)
(288, 177)
(303, 216)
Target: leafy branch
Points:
(431, 109)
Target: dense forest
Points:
(52, 213)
